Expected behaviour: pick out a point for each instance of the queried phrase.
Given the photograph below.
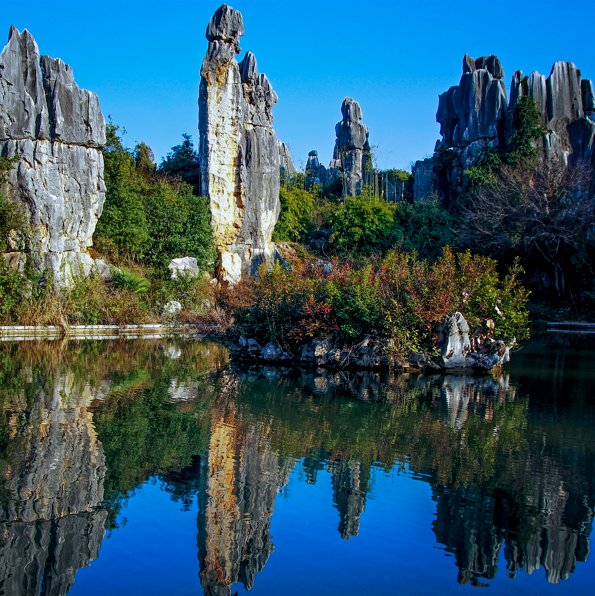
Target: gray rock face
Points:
(56, 129)
(239, 152)
(351, 147)
(475, 115)
(424, 181)
(565, 102)
(476, 109)
(286, 167)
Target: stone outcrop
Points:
(286, 168)
(476, 115)
(458, 351)
(184, 266)
(57, 130)
(351, 147)
(239, 152)
(316, 173)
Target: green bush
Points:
(121, 278)
(295, 216)
(363, 224)
(400, 299)
(147, 217)
(425, 227)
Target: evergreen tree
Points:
(182, 162)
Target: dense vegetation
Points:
(152, 215)
(399, 299)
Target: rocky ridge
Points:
(239, 151)
(57, 131)
(476, 115)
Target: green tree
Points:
(147, 217)
(363, 224)
(144, 158)
(122, 228)
(183, 162)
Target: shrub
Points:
(363, 224)
(147, 217)
(295, 216)
(128, 280)
(400, 299)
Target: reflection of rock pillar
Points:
(350, 481)
(53, 475)
(239, 480)
(554, 544)
(465, 525)
(58, 464)
(43, 557)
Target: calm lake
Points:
(157, 467)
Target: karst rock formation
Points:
(476, 114)
(239, 151)
(57, 130)
(351, 154)
(351, 147)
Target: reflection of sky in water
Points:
(499, 477)
(395, 552)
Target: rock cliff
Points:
(565, 102)
(57, 130)
(286, 167)
(476, 115)
(239, 152)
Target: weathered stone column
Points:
(239, 152)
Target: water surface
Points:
(151, 467)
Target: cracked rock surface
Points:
(57, 130)
(239, 151)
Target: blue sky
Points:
(143, 60)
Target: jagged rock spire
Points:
(239, 152)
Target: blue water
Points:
(125, 471)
